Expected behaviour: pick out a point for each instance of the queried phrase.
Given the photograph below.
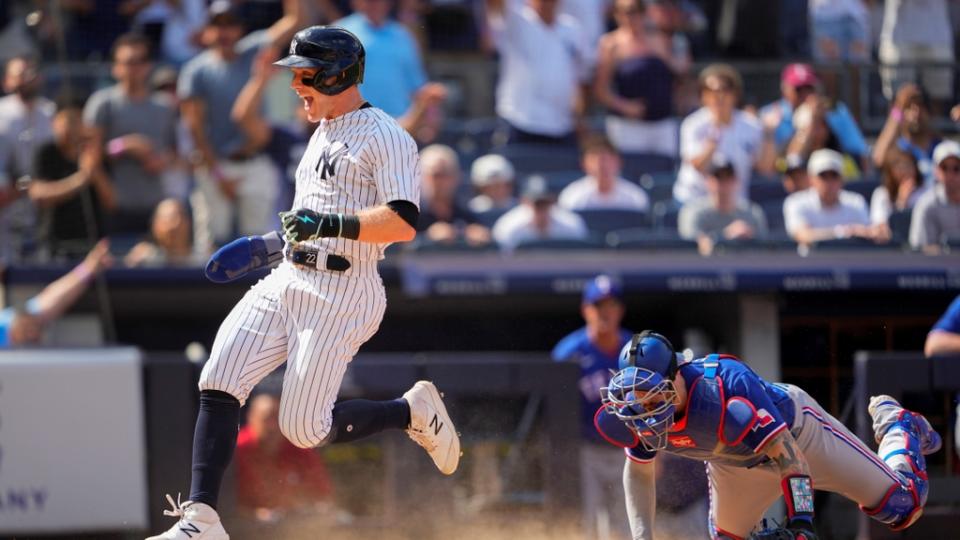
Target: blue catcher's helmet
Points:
(644, 400)
(652, 351)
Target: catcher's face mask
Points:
(645, 401)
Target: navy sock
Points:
(358, 418)
(214, 439)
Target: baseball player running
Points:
(759, 440)
(357, 190)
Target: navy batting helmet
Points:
(652, 351)
(333, 51)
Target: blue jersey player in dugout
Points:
(760, 440)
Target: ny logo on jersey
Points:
(331, 155)
(764, 419)
(436, 424)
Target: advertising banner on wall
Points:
(72, 455)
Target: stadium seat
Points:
(765, 190)
(637, 165)
(642, 238)
(602, 221)
(864, 187)
(776, 242)
(659, 186)
(665, 214)
(423, 245)
(557, 180)
(490, 217)
(773, 211)
(899, 223)
(559, 244)
(538, 158)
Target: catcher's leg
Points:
(739, 497)
(904, 438)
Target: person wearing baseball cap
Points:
(537, 218)
(826, 211)
(936, 216)
(595, 348)
(492, 177)
(795, 177)
(799, 84)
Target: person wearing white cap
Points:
(826, 211)
(492, 176)
(936, 215)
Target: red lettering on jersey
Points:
(681, 440)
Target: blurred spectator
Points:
(908, 129)
(596, 349)
(173, 26)
(492, 176)
(718, 126)
(916, 33)
(722, 214)
(235, 181)
(394, 71)
(671, 21)
(813, 133)
(274, 477)
(825, 211)
(136, 129)
(799, 85)
(442, 217)
(538, 218)
(592, 16)
(285, 144)
(635, 80)
(794, 29)
(936, 216)
(70, 187)
(171, 240)
(424, 119)
(944, 338)
(25, 326)
(177, 178)
(544, 65)
(901, 186)
(955, 113)
(602, 187)
(795, 177)
(26, 117)
(840, 31)
(92, 26)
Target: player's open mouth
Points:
(307, 101)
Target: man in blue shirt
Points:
(595, 347)
(394, 70)
(799, 83)
(944, 340)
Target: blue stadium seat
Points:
(559, 244)
(765, 190)
(636, 165)
(659, 186)
(600, 222)
(864, 187)
(899, 223)
(773, 211)
(665, 214)
(647, 239)
(538, 158)
(490, 217)
(557, 180)
(423, 245)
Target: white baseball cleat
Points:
(198, 521)
(431, 427)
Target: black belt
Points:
(314, 259)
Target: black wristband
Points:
(350, 227)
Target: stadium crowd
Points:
(605, 134)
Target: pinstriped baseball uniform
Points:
(315, 319)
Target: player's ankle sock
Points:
(213, 442)
(357, 418)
